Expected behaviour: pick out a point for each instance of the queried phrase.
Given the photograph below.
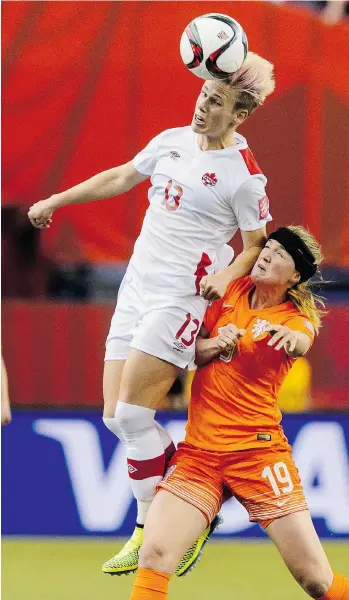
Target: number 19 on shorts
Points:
(279, 478)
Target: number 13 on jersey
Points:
(172, 199)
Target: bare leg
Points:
(146, 379)
(172, 526)
(139, 384)
(112, 374)
(113, 370)
(131, 389)
(145, 382)
(300, 547)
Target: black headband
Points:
(294, 245)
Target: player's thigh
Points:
(194, 475)
(122, 328)
(297, 541)
(169, 328)
(172, 526)
(112, 374)
(146, 379)
(162, 345)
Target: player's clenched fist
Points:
(228, 336)
(40, 214)
(213, 287)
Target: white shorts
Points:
(163, 326)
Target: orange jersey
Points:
(234, 397)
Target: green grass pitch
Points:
(62, 569)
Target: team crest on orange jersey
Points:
(209, 179)
(259, 327)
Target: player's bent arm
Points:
(206, 349)
(107, 184)
(253, 243)
(214, 286)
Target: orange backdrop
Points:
(87, 84)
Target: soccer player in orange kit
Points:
(247, 344)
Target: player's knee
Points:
(120, 415)
(154, 555)
(316, 588)
(314, 581)
(111, 424)
(132, 418)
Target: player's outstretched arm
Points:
(295, 343)
(107, 184)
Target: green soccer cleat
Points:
(193, 555)
(126, 561)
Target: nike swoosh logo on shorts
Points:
(228, 305)
(282, 502)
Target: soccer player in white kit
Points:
(205, 184)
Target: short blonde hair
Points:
(253, 82)
(302, 296)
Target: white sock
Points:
(112, 425)
(164, 435)
(169, 447)
(142, 510)
(145, 450)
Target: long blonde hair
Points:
(309, 304)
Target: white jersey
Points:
(198, 199)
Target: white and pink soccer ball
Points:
(213, 46)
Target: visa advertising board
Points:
(65, 474)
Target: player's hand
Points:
(228, 336)
(40, 214)
(282, 337)
(213, 287)
(6, 416)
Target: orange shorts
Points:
(266, 481)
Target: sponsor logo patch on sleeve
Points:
(263, 204)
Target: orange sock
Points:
(339, 589)
(150, 585)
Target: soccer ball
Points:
(213, 46)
